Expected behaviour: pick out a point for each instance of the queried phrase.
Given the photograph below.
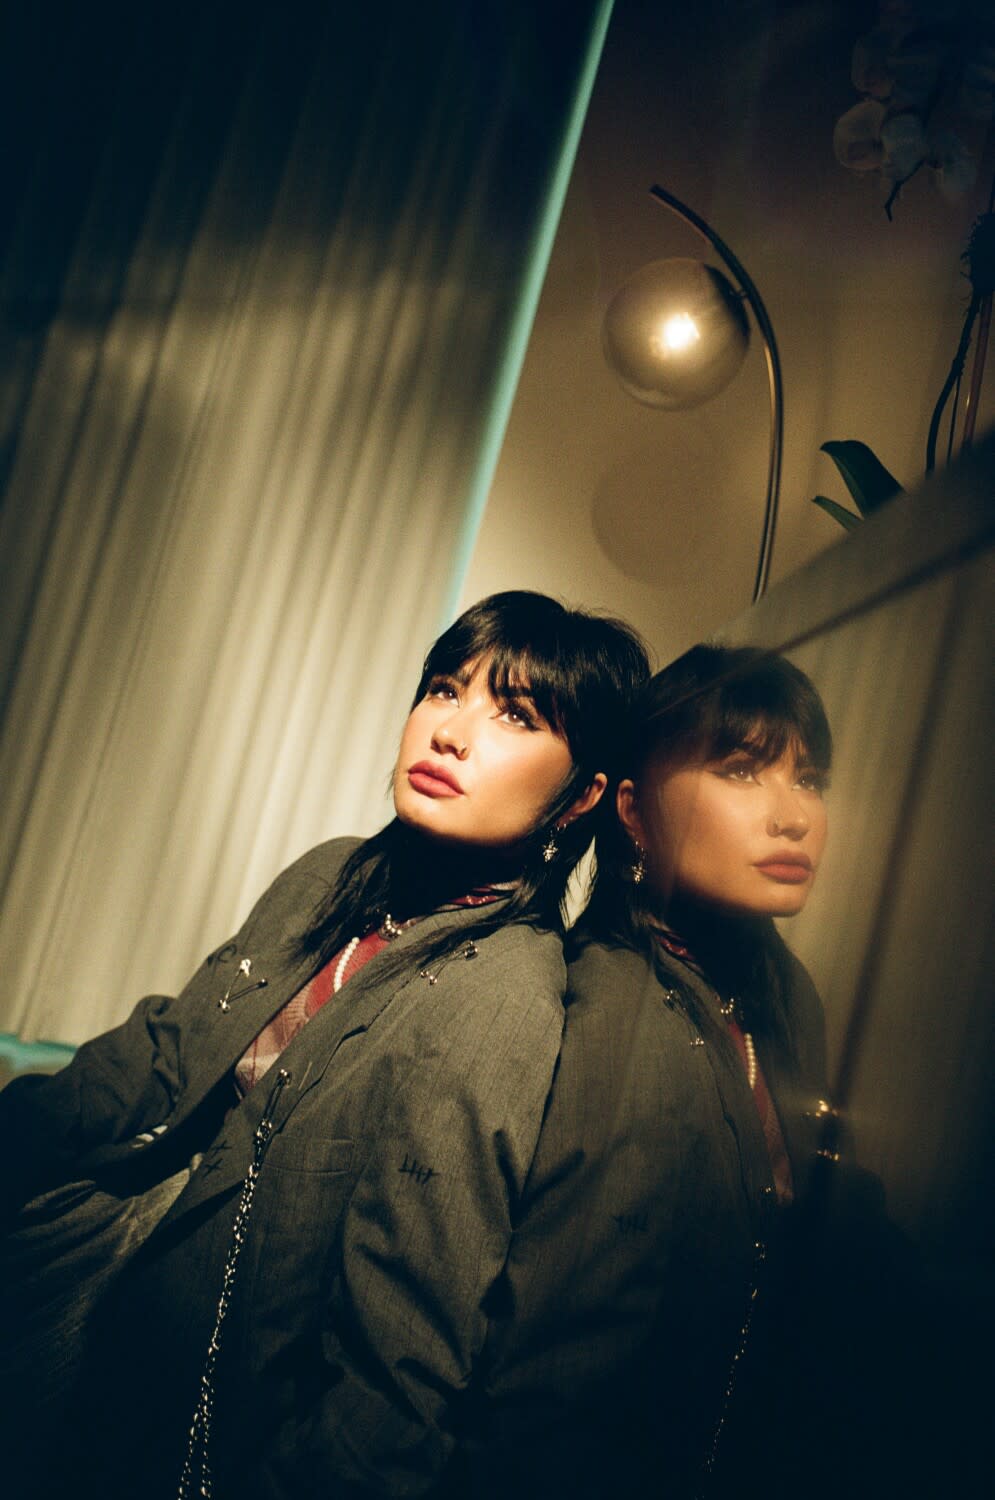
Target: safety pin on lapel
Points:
(244, 968)
(468, 950)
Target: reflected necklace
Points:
(727, 1009)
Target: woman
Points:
(687, 1100)
(321, 1143)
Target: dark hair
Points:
(582, 671)
(712, 701)
(717, 699)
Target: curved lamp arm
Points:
(753, 297)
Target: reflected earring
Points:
(550, 848)
(637, 870)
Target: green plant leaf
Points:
(863, 473)
(839, 513)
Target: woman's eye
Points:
(514, 713)
(811, 781)
(444, 690)
(739, 770)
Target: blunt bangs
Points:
(578, 669)
(524, 673)
(717, 700)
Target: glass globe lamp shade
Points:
(676, 333)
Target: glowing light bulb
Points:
(679, 332)
(675, 333)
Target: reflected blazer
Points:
(643, 1234)
(399, 1145)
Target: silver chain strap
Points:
(197, 1459)
(759, 1257)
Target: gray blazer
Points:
(643, 1235)
(401, 1139)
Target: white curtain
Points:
(245, 444)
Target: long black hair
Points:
(708, 704)
(582, 672)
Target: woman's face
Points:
(476, 770)
(731, 833)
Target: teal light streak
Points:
(16, 1056)
(514, 355)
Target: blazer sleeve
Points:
(114, 1087)
(423, 1242)
(128, 1079)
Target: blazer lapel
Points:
(305, 1060)
(797, 1102)
(737, 1101)
(303, 1063)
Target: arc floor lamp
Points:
(676, 333)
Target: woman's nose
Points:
(787, 816)
(449, 737)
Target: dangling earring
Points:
(550, 848)
(637, 870)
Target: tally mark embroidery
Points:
(413, 1168)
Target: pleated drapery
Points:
(266, 273)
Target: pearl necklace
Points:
(343, 963)
(389, 930)
(727, 1009)
(751, 1061)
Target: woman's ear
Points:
(628, 812)
(589, 798)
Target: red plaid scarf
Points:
(281, 1030)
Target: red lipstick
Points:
(787, 869)
(433, 780)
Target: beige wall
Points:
(895, 629)
(657, 515)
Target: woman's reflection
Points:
(684, 1116)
